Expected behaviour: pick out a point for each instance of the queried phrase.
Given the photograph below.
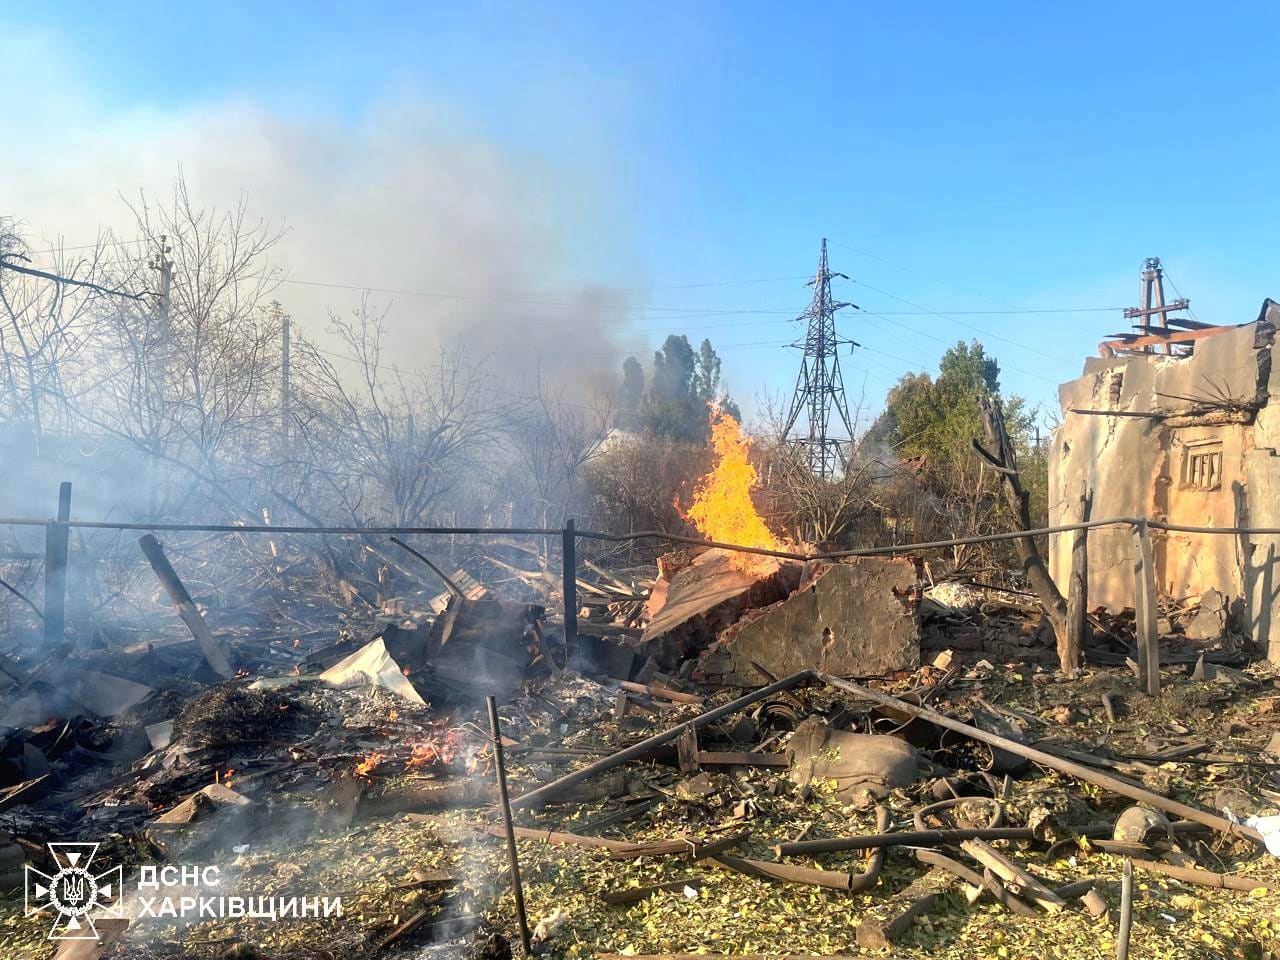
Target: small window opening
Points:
(1202, 466)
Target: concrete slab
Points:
(846, 621)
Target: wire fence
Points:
(57, 540)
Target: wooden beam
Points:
(1118, 413)
(1144, 603)
(1133, 312)
(1151, 328)
(1078, 592)
(1173, 336)
(56, 542)
(215, 652)
(718, 758)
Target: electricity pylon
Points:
(820, 387)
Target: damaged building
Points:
(1180, 426)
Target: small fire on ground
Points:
(722, 507)
(450, 749)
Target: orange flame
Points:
(366, 766)
(722, 507)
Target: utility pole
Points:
(820, 386)
(282, 318)
(1153, 303)
(161, 263)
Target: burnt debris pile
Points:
(761, 757)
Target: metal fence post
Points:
(1144, 605)
(56, 539)
(569, 561)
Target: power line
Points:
(689, 312)
(923, 276)
(948, 343)
(1178, 294)
(970, 326)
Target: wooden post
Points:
(1144, 604)
(56, 539)
(1078, 594)
(687, 749)
(214, 650)
(569, 562)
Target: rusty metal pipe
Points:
(516, 887)
(1122, 787)
(906, 838)
(867, 879)
(832, 880)
(649, 744)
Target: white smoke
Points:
(409, 196)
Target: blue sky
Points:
(972, 160)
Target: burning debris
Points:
(722, 508)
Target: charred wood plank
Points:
(872, 935)
(636, 894)
(215, 651)
(661, 692)
(721, 758)
(975, 879)
(1012, 873)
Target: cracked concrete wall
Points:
(1146, 466)
(1260, 554)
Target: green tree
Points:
(630, 394)
(682, 384)
(707, 374)
(933, 420)
(937, 417)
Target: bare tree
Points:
(47, 324)
(188, 378)
(396, 439)
(552, 442)
(999, 454)
(816, 509)
(821, 510)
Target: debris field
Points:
(770, 758)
